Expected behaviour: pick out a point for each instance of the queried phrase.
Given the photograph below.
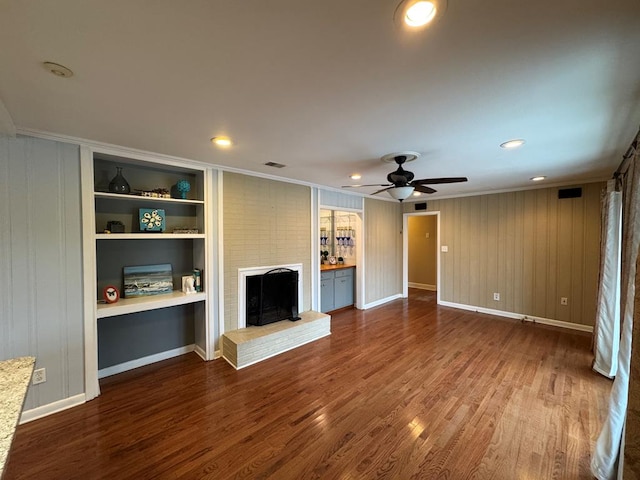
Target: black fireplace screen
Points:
(272, 296)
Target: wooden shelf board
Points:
(147, 236)
(125, 306)
(138, 198)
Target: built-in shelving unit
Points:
(144, 325)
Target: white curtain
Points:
(607, 330)
(608, 451)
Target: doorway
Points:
(420, 252)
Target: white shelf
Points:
(152, 302)
(147, 236)
(138, 198)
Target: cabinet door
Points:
(343, 291)
(326, 295)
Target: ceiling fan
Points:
(401, 183)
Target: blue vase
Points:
(183, 187)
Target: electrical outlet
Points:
(496, 296)
(39, 376)
(444, 248)
(564, 301)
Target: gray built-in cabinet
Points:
(336, 289)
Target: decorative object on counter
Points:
(333, 260)
(155, 193)
(197, 275)
(111, 294)
(188, 284)
(324, 256)
(142, 280)
(186, 230)
(151, 220)
(323, 236)
(115, 226)
(183, 187)
(340, 261)
(118, 183)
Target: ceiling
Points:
(328, 87)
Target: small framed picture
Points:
(333, 261)
(110, 294)
(152, 220)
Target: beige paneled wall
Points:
(529, 246)
(266, 222)
(383, 249)
(423, 243)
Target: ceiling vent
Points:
(275, 165)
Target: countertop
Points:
(15, 375)
(325, 267)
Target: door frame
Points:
(405, 251)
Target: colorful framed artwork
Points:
(142, 280)
(152, 220)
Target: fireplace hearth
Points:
(272, 297)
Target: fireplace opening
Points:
(272, 296)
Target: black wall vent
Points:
(570, 193)
(421, 206)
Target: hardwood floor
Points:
(408, 390)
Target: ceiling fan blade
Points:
(372, 185)
(383, 190)
(434, 181)
(424, 189)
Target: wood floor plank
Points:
(408, 390)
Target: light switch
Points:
(444, 248)
(428, 235)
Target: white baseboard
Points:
(423, 286)
(520, 316)
(141, 362)
(50, 408)
(200, 352)
(382, 301)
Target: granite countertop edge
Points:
(15, 375)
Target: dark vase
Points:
(118, 183)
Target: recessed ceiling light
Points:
(355, 176)
(58, 70)
(538, 179)
(222, 141)
(513, 143)
(416, 194)
(418, 13)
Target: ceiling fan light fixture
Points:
(401, 193)
(512, 143)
